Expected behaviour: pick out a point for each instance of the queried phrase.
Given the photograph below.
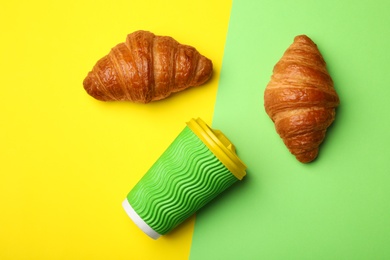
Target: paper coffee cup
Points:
(198, 165)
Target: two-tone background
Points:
(67, 161)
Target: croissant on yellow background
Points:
(300, 98)
(146, 68)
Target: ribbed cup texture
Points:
(185, 178)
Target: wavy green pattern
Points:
(185, 177)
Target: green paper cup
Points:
(198, 165)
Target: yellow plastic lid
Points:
(222, 148)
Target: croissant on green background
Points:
(146, 68)
(300, 99)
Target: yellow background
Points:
(67, 160)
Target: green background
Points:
(336, 207)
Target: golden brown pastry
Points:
(147, 68)
(300, 98)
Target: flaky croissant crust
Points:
(300, 98)
(147, 68)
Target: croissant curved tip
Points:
(303, 38)
(308, 156)
(91, 89)
(205, 72)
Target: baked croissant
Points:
(300, 99)
(147, 68)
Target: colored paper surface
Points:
(67, 161)
(336, 207)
